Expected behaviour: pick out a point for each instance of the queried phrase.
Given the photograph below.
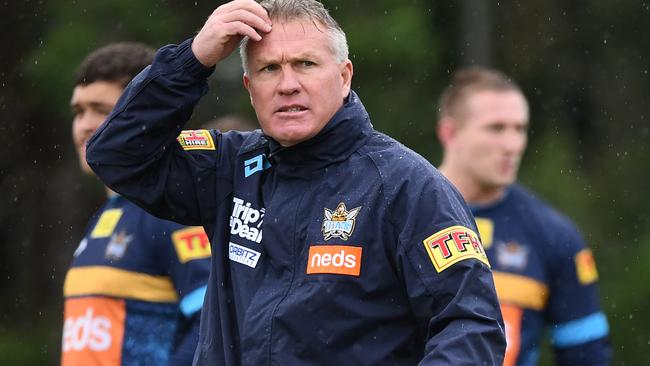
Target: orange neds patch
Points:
(334, 259)
(93, 331)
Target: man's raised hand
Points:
(225, 28)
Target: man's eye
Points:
(105, 111)
(496, 128)
(307, 63)
(269, 68)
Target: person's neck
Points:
(109, 192)
(472, 192)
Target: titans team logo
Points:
(340, 222)
(512, 255)
(117, 245)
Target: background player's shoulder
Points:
(560, 234)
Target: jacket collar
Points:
(348, 130)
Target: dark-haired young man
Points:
(135, 288)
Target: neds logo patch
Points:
(93, 330)
(334, 259)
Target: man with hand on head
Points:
(134, 291)
(324, 250)
(544, 273)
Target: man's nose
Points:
(289, 82)
(515, 141)
(88, 121)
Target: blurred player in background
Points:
(135, 288)
(544, 274)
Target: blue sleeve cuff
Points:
(193, 302)
(580, 331)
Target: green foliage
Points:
(27, 348)
(397, 61)
(78, 27)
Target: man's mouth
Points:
(292, 109)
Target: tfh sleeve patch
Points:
(452, 245)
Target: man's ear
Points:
(346, 75)
(247, 85)
(446, 130)
(247, 82)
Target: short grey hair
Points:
(288, 10)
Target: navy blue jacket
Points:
(546, 278)
(347, 248)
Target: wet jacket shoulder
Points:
(422, 208)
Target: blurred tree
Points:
(475, 46)
(395, 49)
(47, 199)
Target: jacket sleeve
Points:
(447, 276)
(135, 151)
(579, 329)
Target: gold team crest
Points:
(117, 245)
(340, 222)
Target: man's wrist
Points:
(188, 60)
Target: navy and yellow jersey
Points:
(344, 249)
(546, 280)
(134, 291)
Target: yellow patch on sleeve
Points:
(191, 243)
(586, 267)
(196, 140)
(486, 230)
(452, 245)
(106, 223)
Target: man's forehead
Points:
(98, 92)
(297, 27)
(496, 104)
(497, 99)
(291, 32)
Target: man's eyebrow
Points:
(78, 105)
(274, 60)
(305, 56)
(265, 60)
